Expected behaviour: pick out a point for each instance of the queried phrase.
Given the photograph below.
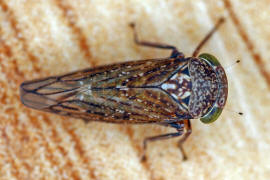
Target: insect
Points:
(168, 91)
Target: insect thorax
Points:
(205, 86)
(179, 87)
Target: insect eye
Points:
(210, 59)
(212, 115)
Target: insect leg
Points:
(188, 130)
(207, 37)
(180, 130)
(175, 52)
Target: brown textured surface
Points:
(41, 38)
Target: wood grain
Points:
(42, 38)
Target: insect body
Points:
(168, 91)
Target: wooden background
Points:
(49, 37)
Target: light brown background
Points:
(42, 38)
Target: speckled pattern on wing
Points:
(127, 92)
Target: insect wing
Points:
(129, 92)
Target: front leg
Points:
(182, 127)
(188, 131)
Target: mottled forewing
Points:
(129, 74)
(135, 105)
(121, 92)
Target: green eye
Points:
(210, 59)
(212, 115)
